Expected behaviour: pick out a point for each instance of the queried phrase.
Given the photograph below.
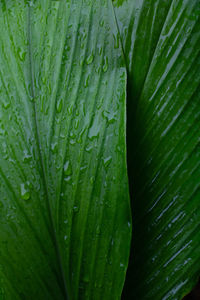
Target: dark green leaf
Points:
(161, 42)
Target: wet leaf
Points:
(161, 42)
(64, 212)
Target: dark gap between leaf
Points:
(194, 294)
(135, 183)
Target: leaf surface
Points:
(161, 42)
(64, 208)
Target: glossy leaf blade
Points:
(161, 42)
(65, 217)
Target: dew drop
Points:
(109, 116)
(54, 147)
(30, 3)
(107, 161)
(94, 131)
(27, 157)
(119, 149)
(72, 142)
(6, 104)
(86, 81)
(90, 59)
(116, 41)
(59, 105)
(67, 168)
(25, 193)
(105, 65)
(72, 135)
(100, 49)
(76, 124)
(101, 23)
(83, 168)
(21, 54)
(68, 178)
(75, 209)
(92, 179)
(81, 61)
(99, 104)
(70, 109)
(98, 69)
(89, 148)
(67, 48)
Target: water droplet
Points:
(76, 209)
(72, 142)
(105, 65)
(83, 168)
(90, 59)
(67, 168)
(76, 124)
(101, 22)
(68, 178)
(54, 147)
(89, 148)
(81, 61)
(30, 3)
(72, 135)
(100, 49)
(67, 48)
(79, 140)
(109, 116)
(22, 54)
(94, 130)
(99, 104)
(25, 193)
(6, 104)
(70, 109)
(27, 157)
(116, 41)
(59, 105)
(92, 179)
(98, 69)
(77, 112)
(46, 110)
(107, 161)
(86, 81)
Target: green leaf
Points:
(64, 207)
(161, 42)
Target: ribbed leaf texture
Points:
(65, 227)
(64, 207)
(161, 42)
